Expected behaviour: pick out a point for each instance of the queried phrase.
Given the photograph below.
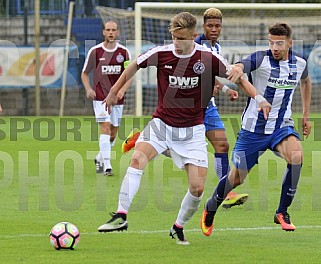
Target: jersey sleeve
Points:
(89, 62)
(305, 72)
(253, 61)
(149, 58)
(220, 65)
(128, 59)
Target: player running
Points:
(177, 122)
(215, 130)
(276, 73)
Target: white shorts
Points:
(186, 144)
(102, 115)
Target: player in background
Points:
(177, 122)
(215, 130)
(106, 61)
(275, 72)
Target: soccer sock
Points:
(104, 144)
(221, 191)
(99, 158)
(289, 185)
(128, 189)
(221, 164)
(189, 206)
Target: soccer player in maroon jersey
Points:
(106, 61)
(214, 126)
(186, 74)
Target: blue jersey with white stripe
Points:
(201, 39)
(276, 80)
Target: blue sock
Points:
(221, 191)
(221, 164)
(289, 185)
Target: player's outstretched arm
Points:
(305, 88)
(250, 90)
(235, 72)
(232, 94)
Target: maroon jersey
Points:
(185, 82)
(106, 66)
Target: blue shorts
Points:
(250, 146)
(212, 119)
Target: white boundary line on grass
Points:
(163, 231)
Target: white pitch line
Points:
(143, 232)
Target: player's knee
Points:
(105, 130)
(200, 191)
(196, 190)
(221, 146)
(138, 160)
(295, 157)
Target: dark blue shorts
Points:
(250, 146)
(212, 119)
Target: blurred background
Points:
(244, 30)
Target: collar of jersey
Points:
(185, 55)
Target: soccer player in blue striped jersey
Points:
(215, 130)
(275, 73)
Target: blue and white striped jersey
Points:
(201, 39)
(276, 81)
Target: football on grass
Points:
(64, 235)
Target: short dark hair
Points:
(281, 29)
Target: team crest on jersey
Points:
(120, 58)
(199, 67)
(292, 69)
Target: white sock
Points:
(113, 143)
(99, 158)
(104, 144)
(129, 188)
(189, 206)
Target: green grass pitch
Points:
(47, 175)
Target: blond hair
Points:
(212, 13)
(182, 20)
